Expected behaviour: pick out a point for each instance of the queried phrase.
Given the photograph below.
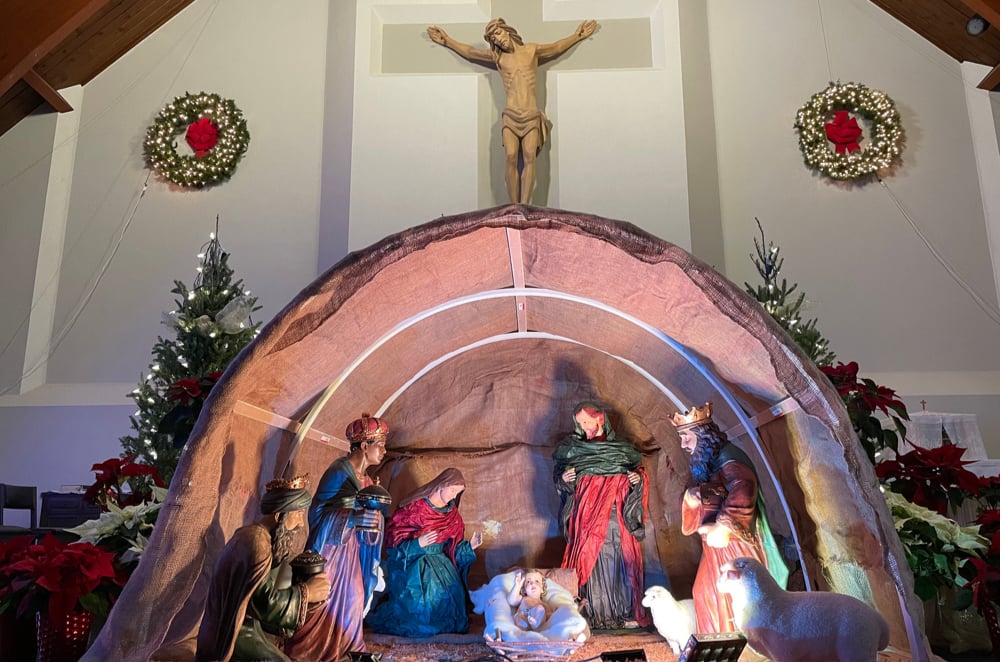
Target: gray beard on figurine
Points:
(800, 626)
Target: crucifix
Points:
(524, 126)
(405, 50)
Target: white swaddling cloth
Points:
(565, 622)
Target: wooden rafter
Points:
(31, 29)
(47, 92)
(986, 9)
(991, 81)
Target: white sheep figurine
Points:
(675, 620)
(800, 626)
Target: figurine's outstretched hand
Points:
(476, 540)
(438, 35)
(586, 29)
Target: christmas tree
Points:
(211, 323)
(862, 396)
(774, 296)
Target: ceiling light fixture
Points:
(976, 25)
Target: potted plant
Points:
(933, 478)
(114, 475)
(124, 530)
(63, 584)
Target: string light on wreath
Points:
(215, 130)
(831, 139)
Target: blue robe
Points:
(425, 591)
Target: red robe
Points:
(594, 498)
(729, 497)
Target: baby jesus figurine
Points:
(526, 596)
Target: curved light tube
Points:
(554, 294)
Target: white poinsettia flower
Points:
(135, 550)
(105, 525)
(949, 532)
(159, 494)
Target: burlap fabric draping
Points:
(404, 325)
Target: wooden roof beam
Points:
(31, 29)
(986, 9)
(42, 87)
(991, 81)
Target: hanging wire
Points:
(824, 37)
(78, 310)
(992, 312)
(64, 332)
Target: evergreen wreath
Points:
(830, 117)
(214, 128)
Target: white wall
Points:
(386, 151)
(271, 62)
(881, 295)
(421, 141)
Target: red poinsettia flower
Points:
(932, 478)
(110, 476)
(56, 575)
(202, 136)
(185, 390)
(871, 396)
(189, 389)
(842, 376)
(844, 131)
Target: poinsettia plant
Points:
(57, 577)
(933, 478)
(862, 398)
(114, 475)
(188, 396)
(934, 545)
(124, 530)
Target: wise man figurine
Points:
(523, 123)
(724, 506)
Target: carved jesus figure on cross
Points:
(523, 123)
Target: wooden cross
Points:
(619, 43)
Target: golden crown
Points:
(367, 428)
(295, 483)
(694, 417)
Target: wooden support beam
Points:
(30, 29)
(991, 81)
(986, 9)
(41, 86)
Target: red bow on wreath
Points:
(844, 132)
(202, 136)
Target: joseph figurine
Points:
(603, 494)
(523, 123)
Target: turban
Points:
(283, 500)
